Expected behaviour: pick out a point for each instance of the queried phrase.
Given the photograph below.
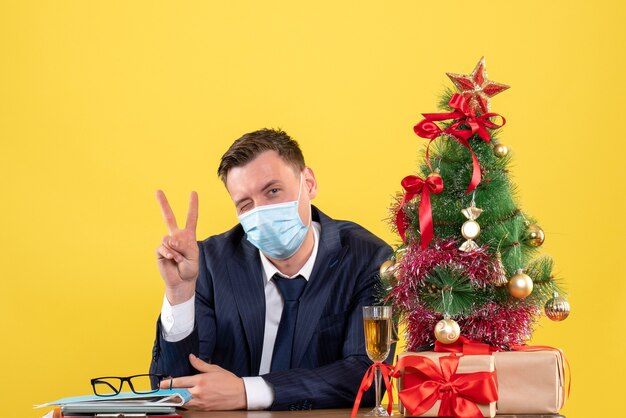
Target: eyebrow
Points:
(266, 186)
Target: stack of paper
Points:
(162, 402)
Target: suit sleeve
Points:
(335, 385)
(172, 358)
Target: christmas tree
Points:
(468, 263)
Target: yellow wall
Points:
(103, 102)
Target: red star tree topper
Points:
(476, 88)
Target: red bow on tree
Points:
(458, 393)
(463, 116)
(413, 186)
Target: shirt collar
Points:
(269, 269)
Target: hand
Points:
(177, 256)
(215, 389)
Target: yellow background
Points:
(101, 103)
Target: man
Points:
(269, 313)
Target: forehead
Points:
(255, 175)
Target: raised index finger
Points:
(192, 214)
(166, 210)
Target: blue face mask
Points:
(276, 230)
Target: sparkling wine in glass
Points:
(378, 337)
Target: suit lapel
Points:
(246, 278)
(317, 291)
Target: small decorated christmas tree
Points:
(468, 264)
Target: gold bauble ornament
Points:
(534, 235)
(501, 279)
(388, 268)
(557, 308)
(399, 255)
(500, 150)
(520, 284)
(447, 331)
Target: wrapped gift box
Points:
(530, 382)
(466, 365)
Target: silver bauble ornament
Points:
(557, 308)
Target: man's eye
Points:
(274, 191)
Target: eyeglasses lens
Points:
(108, 386)
(141, 384)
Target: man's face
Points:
(268, 180)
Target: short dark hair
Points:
(249, 146)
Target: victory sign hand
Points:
(177, 256)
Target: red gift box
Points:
(441, 384)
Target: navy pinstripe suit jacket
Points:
(328, 350)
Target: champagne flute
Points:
(378, 329)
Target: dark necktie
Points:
(291, 290)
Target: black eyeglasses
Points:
(112, 385)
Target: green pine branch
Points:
(448, 290)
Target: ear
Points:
(310, 182)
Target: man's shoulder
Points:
(224, 242)
(351, 233)
(362, 251)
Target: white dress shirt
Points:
(177, 323)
